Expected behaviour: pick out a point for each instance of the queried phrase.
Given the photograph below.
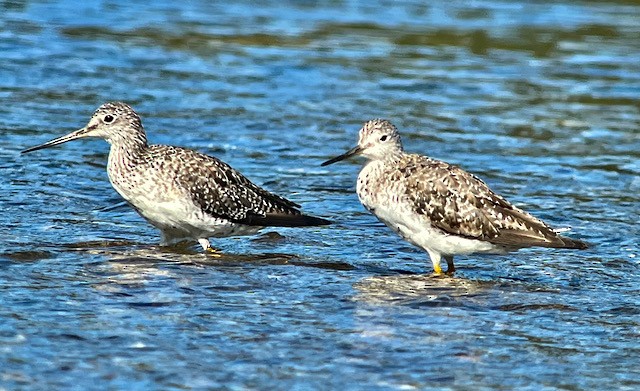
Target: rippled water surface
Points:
(540, 99)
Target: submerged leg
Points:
(170, 238)
(450, 267)
(435, 260)
(204, 242)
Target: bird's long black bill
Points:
(348, 154)
(68, 137)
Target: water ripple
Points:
(538, 99)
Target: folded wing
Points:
(222, 192)
(459, 203)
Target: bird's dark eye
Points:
(108, 119)
(384, 138)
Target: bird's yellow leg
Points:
(214, 252)
(435, 260)
(208, 249)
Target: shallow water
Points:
(540, 100)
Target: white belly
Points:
(177, 216)
(419, 232)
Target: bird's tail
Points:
(286, 220)
(571, 243)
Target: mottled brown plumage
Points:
(462, 204)
(439, 206)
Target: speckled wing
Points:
(459, 203)
(223, 192)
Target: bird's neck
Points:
(124, 155)
(392, 156)
(387, 156)
(129, 147)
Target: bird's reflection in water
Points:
(418, 290)
(129, 262)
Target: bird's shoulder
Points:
(216, 187)
(428, 178)
(184, 160)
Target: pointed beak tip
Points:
(24, 151)
(33, 149)
(333, 160)
(353, 151)
(324, 164)
(56, 141)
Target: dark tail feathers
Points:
(571, 243)
(284, 220)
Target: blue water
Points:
(540, 100)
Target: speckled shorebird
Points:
(440, 207)
(185, 194)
